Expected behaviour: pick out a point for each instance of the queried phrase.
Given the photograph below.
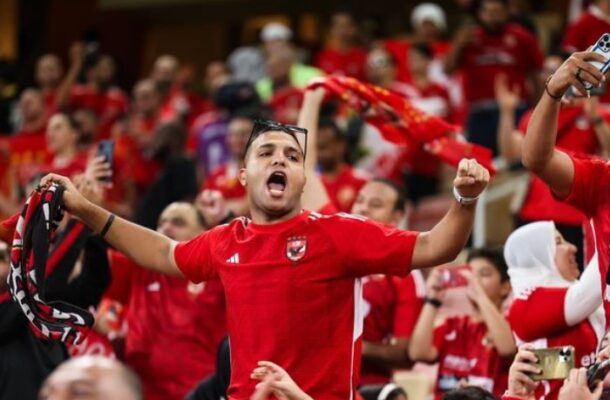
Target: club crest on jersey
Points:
(296, 248)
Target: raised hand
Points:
(519, 383)
(472, 178)
(574, 71)
(74, 201)
(508, 98)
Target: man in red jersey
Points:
(581, 182)
(342, 182)
(291, 276)
(343, 56)
(493, 47)
(169, 317)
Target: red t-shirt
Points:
(294, 294)
(538, 318)
(343, 189)
(27, 151)
(576, 135)
(515, 52)
(399, 48)
(225, 179)
(174, 327)
(590, 193)
(350, 63)
(391, 308)
(465, 352)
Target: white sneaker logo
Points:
(234, 259)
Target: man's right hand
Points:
(574, 71)
(520, 385)
(434, 285)
(74, 201)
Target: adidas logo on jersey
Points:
(234, 259)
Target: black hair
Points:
(468, 393)
(423, 49)
(329, 123)
(480, 3)
(72, 122)
(372, 392)
(401, 194)
(495, 255)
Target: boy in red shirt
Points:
(473, 349)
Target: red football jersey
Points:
(343, 188)
(391, 308)
(515, 52)
(590, 194)
(294, 294)
(575, 134)
(225, 179)
(350, 63)
(538, 318)
(174, 327)
(466, 352)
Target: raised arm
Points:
(144, 246)
(445, 241)
(538, 153)
(77, 58)
(421, 345)
(314, 196)
(509, 139)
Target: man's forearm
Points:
(452, 62)
(421, 345)
(145, 247)
(445, 241)
(509, 143)
(539, 142)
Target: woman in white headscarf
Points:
(552, 306)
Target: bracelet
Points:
(464, 200)
(436, 303)
(107, 226)
(546, 89)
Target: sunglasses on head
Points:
(262, 126)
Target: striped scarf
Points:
(40, 217)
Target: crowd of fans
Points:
(174, 166)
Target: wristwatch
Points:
(462, 199)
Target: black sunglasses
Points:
(261, 126)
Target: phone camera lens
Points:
(605, 38)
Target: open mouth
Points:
(277, 183)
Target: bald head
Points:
(98, 377)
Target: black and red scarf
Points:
(39, 219)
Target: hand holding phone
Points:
(453, 278)
(555, 362)
(105, 149)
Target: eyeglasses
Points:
(261, 126)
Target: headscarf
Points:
(530, 254)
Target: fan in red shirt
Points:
(552, 307)
(169, 318)
(341, 181)
(342, 56)
(49, 71)
(581, 123)
(482, 52)
(25, 151)
(429, 23)
(583, 183)
(291, 277)
(474, 349)
(174, 103)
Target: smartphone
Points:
(105, 149)
(453, 278)
(602, 46)
(597, 372)
(555, 362)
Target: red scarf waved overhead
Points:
(403, 124)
